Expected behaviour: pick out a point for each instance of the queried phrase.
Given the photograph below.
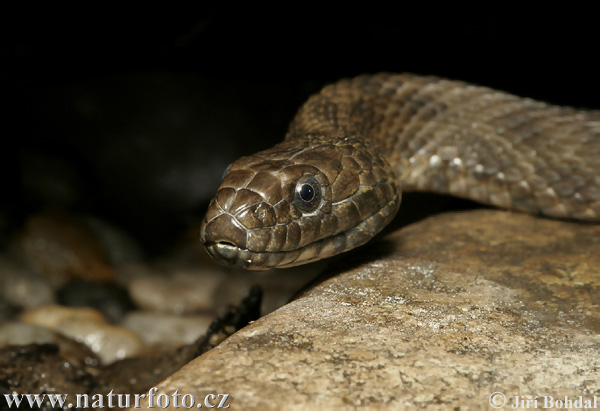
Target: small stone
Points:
(108, 342)
(22, 287)
(167, 329)
(26, 292)
(88, 327)
(53, 316)
(178, 293)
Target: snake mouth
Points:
(223, 251)
(229, 254)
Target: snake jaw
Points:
(227, 254)
(222, 252)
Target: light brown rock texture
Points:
(442, 313)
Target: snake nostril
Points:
(260, 212)
(257, 216)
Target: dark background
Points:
(131, 112)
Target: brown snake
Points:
(351, 150)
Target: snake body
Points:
(337, 178)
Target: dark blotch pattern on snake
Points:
(351, 150)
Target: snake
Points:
(337, 178)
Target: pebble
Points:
(63, 247)
(167, 329)
(109, 342)
(21, 287)
(89, 327)
(53, 316)
(184, 291)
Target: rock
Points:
(21, 287)
(89, 327)
(63, 247)
(167, 329)
(177, 293)
(440, 314)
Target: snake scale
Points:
(337, 178)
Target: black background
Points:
(109, 102)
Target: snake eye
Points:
(308, 194)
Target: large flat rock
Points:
(441, 313)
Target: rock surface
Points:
(440, 314)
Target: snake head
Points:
(300, 201)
